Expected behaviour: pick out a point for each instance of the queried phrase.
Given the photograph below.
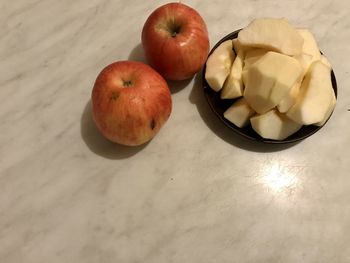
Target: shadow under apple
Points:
(100, 145)
(137, 54)
(220, 129)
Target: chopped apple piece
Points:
(289, 100)
(233, 86)
(325, 61)
(273, 34)
(239, 113)
(315, 96)
(219, 64)
(274, 125)
(269, 80)
(244, 77)
(237, 46)
(305, 61)
(310, 46)
(329, 111)
(237, 65)
(253, 55)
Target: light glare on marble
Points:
(279, 179)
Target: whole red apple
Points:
(130, 102)
(175, 41)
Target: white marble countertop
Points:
(197, 192)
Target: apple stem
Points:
(174, 28)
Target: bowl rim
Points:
(307, 129)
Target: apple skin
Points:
(130, 102)
(175, 41)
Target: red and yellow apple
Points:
(130, 102)
(175, 41)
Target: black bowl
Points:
(219, 106)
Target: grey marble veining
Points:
(197, 192)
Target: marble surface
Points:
(197, 192)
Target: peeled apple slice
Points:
(269, 80)
(219, 64)
(315, 96)
(233, 86)
(274, 125)
(310, 46)
(325, 61)
(239, 113)
(289, 100)
(236, 45)
(305, 61)
(329, 111)
(273, 34)
(252, 56)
